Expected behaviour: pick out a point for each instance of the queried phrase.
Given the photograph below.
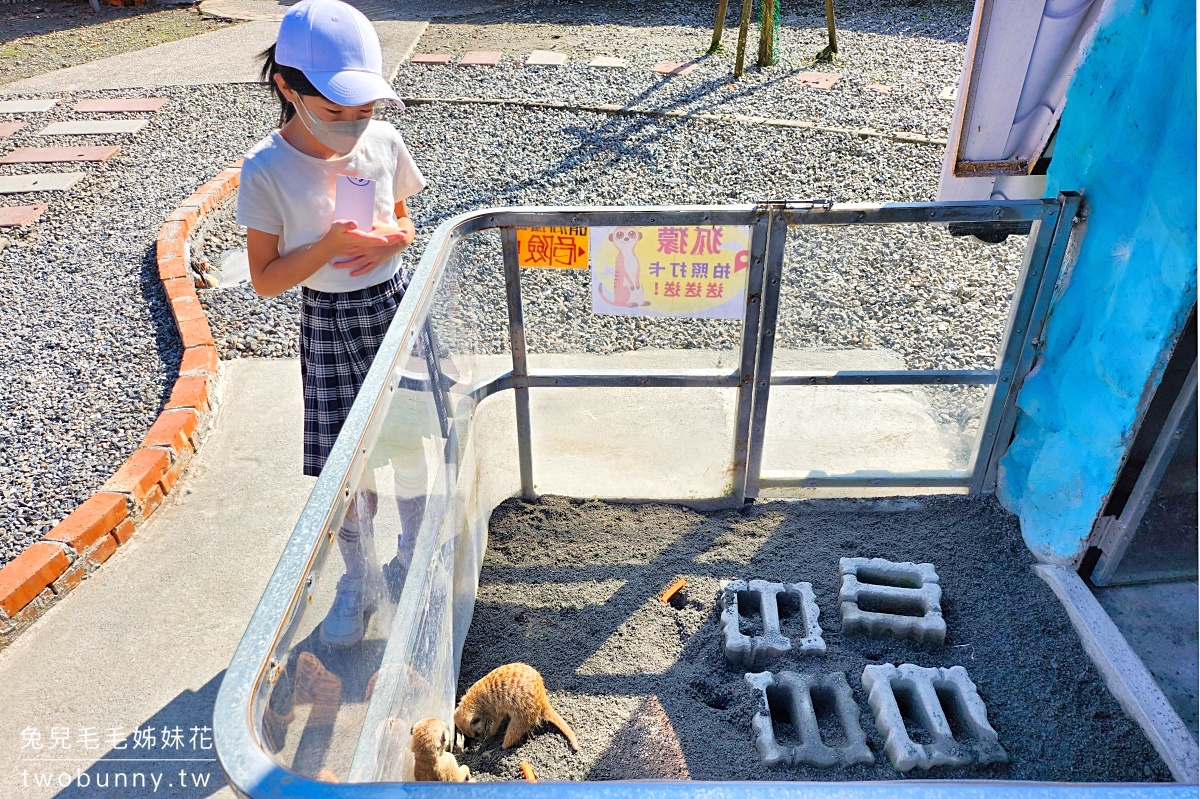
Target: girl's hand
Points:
(389, 241)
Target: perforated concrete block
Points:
(795, 692)
(944, 703)
(749, 651)
(881, 597)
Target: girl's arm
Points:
(273, 274)
(398, 236)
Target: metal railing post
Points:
(1036, 285)
(516, 339)
(777, 232)
(749, 353)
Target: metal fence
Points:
(451, 538)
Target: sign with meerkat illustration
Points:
(693, 270)
(552, 247)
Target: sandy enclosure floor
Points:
(571, 587)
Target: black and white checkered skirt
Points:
(339, 336)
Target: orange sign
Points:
(553, 247)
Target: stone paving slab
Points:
(431, 59)
(547, 58)
(674, 67)
(228, 55)
(818, 80)
(26, 106)
(93, 127)
(57, 155)
(18, 215)
(9, 128)
(481, 58)
(119, 105)
(607, 62)
(878, 88)
(43, 181)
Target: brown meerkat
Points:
(432, 759)
(515, 692)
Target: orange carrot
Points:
(672, 590)
(527, 771)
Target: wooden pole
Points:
(831, 49)
(743, 29)
(719, 25)
(768, 34)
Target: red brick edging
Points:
(34, 580)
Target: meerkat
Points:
(515, 692)
(432, 759)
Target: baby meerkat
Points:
(515, 692)
(432, 759)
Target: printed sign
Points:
(697, 271)
(552, 247)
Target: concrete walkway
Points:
(229, 55)
(145, 641)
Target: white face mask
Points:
(341, 137)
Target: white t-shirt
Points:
(289, 194)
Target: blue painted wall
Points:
(1128, 141)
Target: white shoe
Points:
(344, 624)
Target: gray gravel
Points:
(915, 48)
(89, 351)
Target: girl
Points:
(325, 69)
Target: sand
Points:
(571, 587)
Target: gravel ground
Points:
(931, 300)
(46, 35)
(915, 48)
(645, 684)
(77, 394)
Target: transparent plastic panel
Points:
(896, 296)
(346, 631)
(374, 645)
(823, 431)
(633, 443)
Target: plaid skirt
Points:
(340, 332)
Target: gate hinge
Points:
(1107, 528)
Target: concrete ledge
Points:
(1125, 675)
(33, 582)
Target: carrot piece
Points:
(672, 590)
(527, 771)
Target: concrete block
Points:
(7, 129)
(800, 696)
(41, 181)
(545, 58)
(607, 62)
(431, 59)
(481, 58)
(18, 215)
(26, 106)
(902, 599)
(675, 67)
(746, 597)
(943, 704)
(818, 80)
(93, 127)
(119, 105)
(58, 155)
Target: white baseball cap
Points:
(337, 49)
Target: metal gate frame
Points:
(1051, 221)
